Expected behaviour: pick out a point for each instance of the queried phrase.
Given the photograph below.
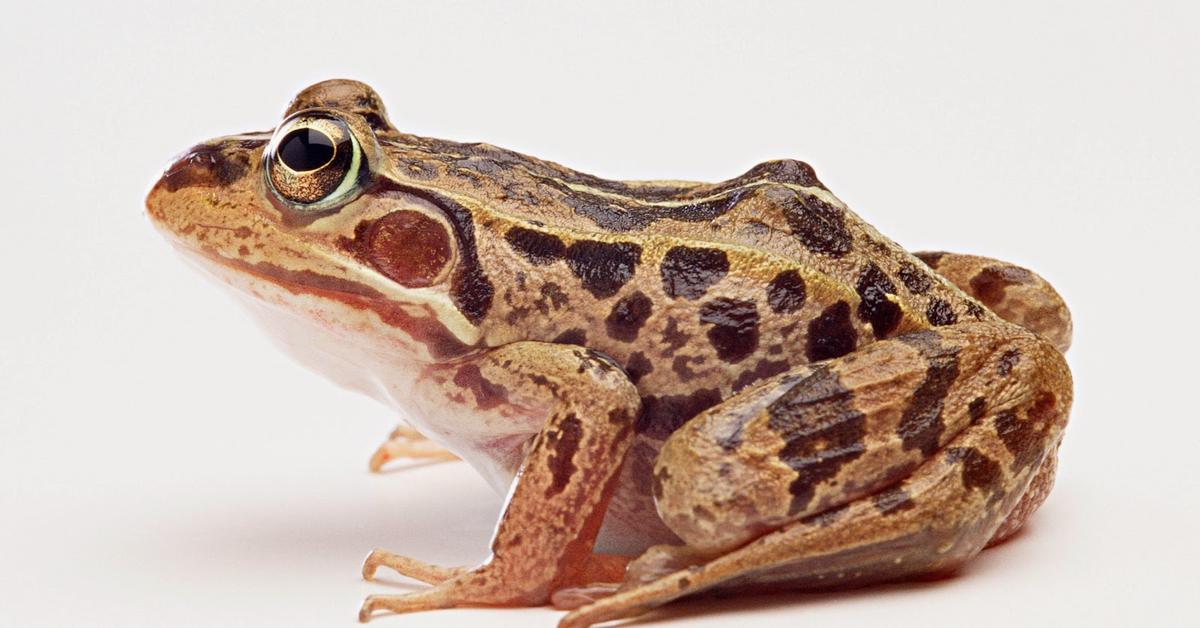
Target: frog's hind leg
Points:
(1020, 296)
(898, 461)
(1016, 294)
(406, 442)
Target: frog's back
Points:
(773, 236)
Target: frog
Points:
(681, 388)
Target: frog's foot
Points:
(411, 567)
(1016, 294)
(463, 586)
(405, 442)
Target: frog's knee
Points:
(712, 497)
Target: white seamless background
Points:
(162, 464)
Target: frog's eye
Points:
(314, 161)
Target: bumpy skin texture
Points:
(831, 410)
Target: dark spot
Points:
(1007, 361)
(921, 422)
(574, 336)
(786, 292)
(931, 258)
(892, 501)
(821, 429)
(977, 408)
(563, 442)
(487, 394)
(603, 267)
(689, 272)
(828, 517)
(628, 315)
(734, 332)
(684, 583)
(831, 335)
(674, 337)
(661, 416)
(555, 294)
(978, 471)
(915, 279)
(873, 287)
(638, 366)
(764, 369)
(680, 366)
(1023, 438)
(991, 282)
(537, 247)
(819, 226)
(940, 313)
(975, 310)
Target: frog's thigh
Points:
(1016, 294)
(545, 535)
(939, 514)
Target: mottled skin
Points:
(745, 372)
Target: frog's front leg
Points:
(900, 460)
(545, 535)
(406, 442)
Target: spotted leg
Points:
(1018, 295)
(897, 461)
(406, 442)
(544, 539)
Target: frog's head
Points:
(310, 222)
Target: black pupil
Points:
(306, 149)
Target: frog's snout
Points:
(208, 168)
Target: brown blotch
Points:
(689, 272)
(680, 366)
(977, 408)
(989, 285)
(638, 366)
(873, 287)
(554, 294)
(574, 336)
(1008, 361)
(764, 369)
(940, 313)
(913, 278)
(628, 315)
(831, 334)
(603, 267)
(1022, 437)
(563, 442)
(537, 247)
(487, 394)
(821, 429)
(921, 423)
(978, 471)
(819, 226)
(662, 415)
(408, 247)
(734, 331)
(892, 500)
(786, 292)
